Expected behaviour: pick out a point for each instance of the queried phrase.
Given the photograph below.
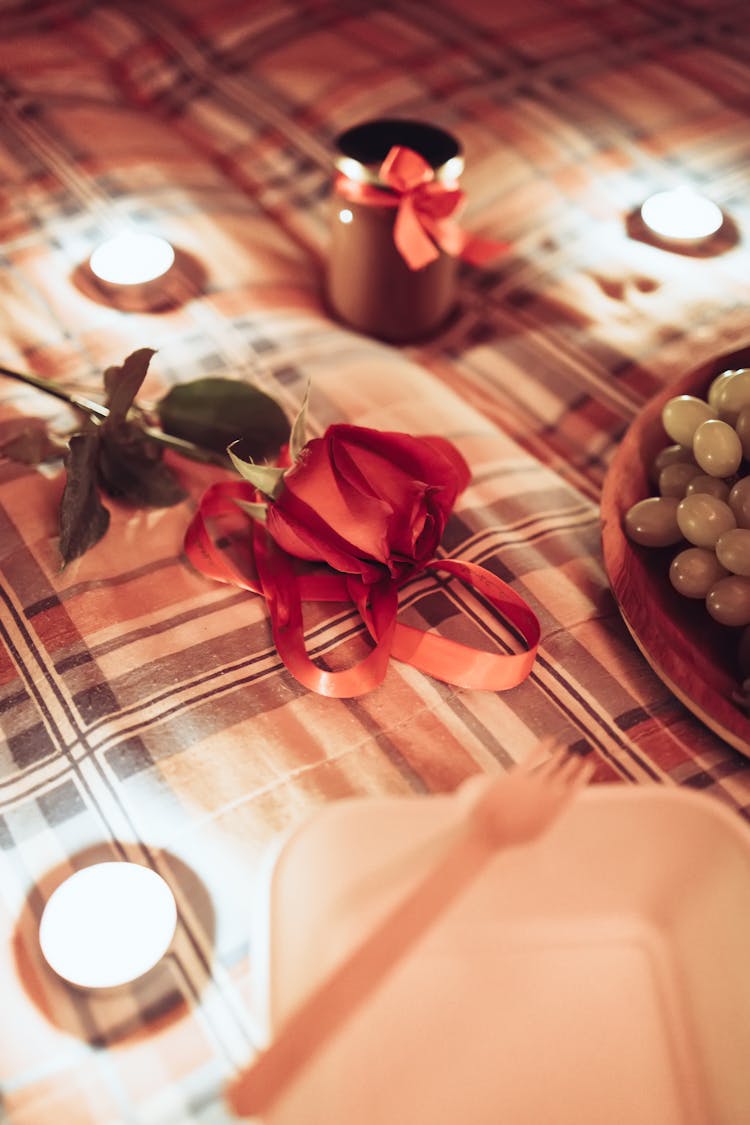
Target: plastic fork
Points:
(493, 813)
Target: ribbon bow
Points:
(264, 569)
(425, 206)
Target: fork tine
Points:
(552, 762)
(544, 756)
(575, 770)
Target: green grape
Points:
(682, 415)
(728, 601)
(714, 486)
(702, 519)
(716, 448)
(739, 501)
(670, 455)
(674, 479)
(733, 550)
(733, 395)
(717, 385)
(694, 571)
(742, 426)
(653, 522)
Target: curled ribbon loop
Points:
(424, 223)
(285, 583)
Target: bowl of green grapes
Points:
(676, 540)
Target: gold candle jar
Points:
(370, 285)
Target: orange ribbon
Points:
(285, 583)
(425, 206)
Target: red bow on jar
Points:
(424, 223)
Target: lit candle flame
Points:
(681, 215)
(107, 924)
(132, 258)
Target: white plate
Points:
(597, 976)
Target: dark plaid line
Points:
(532, 717)
(481, 42)
(15, 699)
(492, 50)
(384, 742)
(598, 721)
(730, 767)
(588, 521)
(312, 15)
(93, 653)
(110, 583)
(635, 716)
(710, 780)
(178, 42)
(210, 76)
(293, 687)
(61, 161)
(559, 702)
(563, 366)
(31, 686)
(29, 790)
(453, 698)
(454, 592)
(592, 463)
(189, 685)
(50, 725)
(577, 457)
(600, 121)
(196, 988)
(583, 354)
(45, 16)
(468, 544)
(43, 709)
(498, 472)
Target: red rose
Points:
(368, 502)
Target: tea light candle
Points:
(107, 924)
(132, 258)
(681, 215)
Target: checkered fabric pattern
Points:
(144, 711)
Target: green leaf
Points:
(131, 469)
(83, 518)
(215, 412)
(298, 440)
(123, 383)
(266, 478)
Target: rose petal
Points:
(365, 500)
(302, 532)
(359, 518)
(381, 461)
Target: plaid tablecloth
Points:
(145, 713)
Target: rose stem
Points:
(95, 409)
